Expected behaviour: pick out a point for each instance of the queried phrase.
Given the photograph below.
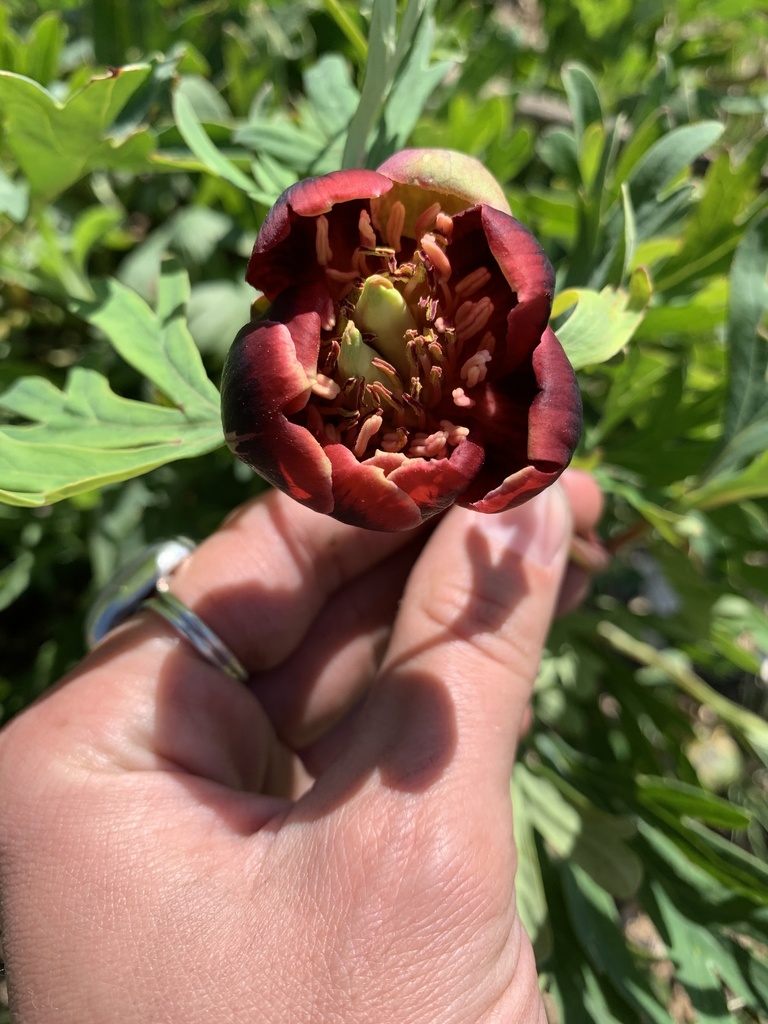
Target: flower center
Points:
(409, 344)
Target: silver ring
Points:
(143, 583)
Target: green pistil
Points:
(356, 358)
(382, 311)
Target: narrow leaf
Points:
(213, 159)
(747, 345)
(583, 97)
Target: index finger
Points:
(260, 580)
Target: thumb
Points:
(467, 644)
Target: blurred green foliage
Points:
(632, 139)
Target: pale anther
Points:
(461, 400)
(444, 224)
(455, 434)
(395, 224)
(394, 440)
(436, 256)
(472, 317)
(472, 283)
(426, 219)
(322, 248)
(369, 428)
(367, 234)
(428, 446)
(342, 276)
(474, 369)
(325, 387)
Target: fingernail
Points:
(538, 531)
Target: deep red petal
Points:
(554, 422)
(526, 453)
(515, 490)
(364, 496)
(531, 277)
(284, 252)
(435, 484)
(261, 382)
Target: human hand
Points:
(331, 842)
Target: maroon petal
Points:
(515, 490)
(364, 496)
(284, 252)
(435, 484)
(261, 382)
(530, 276)
(555, 420)
(553, 431)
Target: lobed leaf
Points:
(158, 345)
(87, 436)
(56, 143)
(602, 323)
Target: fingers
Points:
(466, 647)
(261, 579)
(339, 656)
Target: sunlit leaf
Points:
(57, 143)
(87, 436)
(602, 323)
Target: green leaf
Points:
(87, 436)
(379, 72)
(14, 198)
(583, 97)
(354, 36)
(729, 488)
(602, 323)
(212, 159)
(747, 399)
(557, 148)
(696, 954)
(413, 86)
(745, 723)
(14, 578)
(333, 97)
(595, 920)
(45, 42)
(56, 143)
(579, 832)
(660, 165)
(158, 345)
(685, 799)
(398, 80)
(529, 887)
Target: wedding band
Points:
(143, 583)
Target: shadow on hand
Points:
(408, 733)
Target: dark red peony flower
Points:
(404, 362)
